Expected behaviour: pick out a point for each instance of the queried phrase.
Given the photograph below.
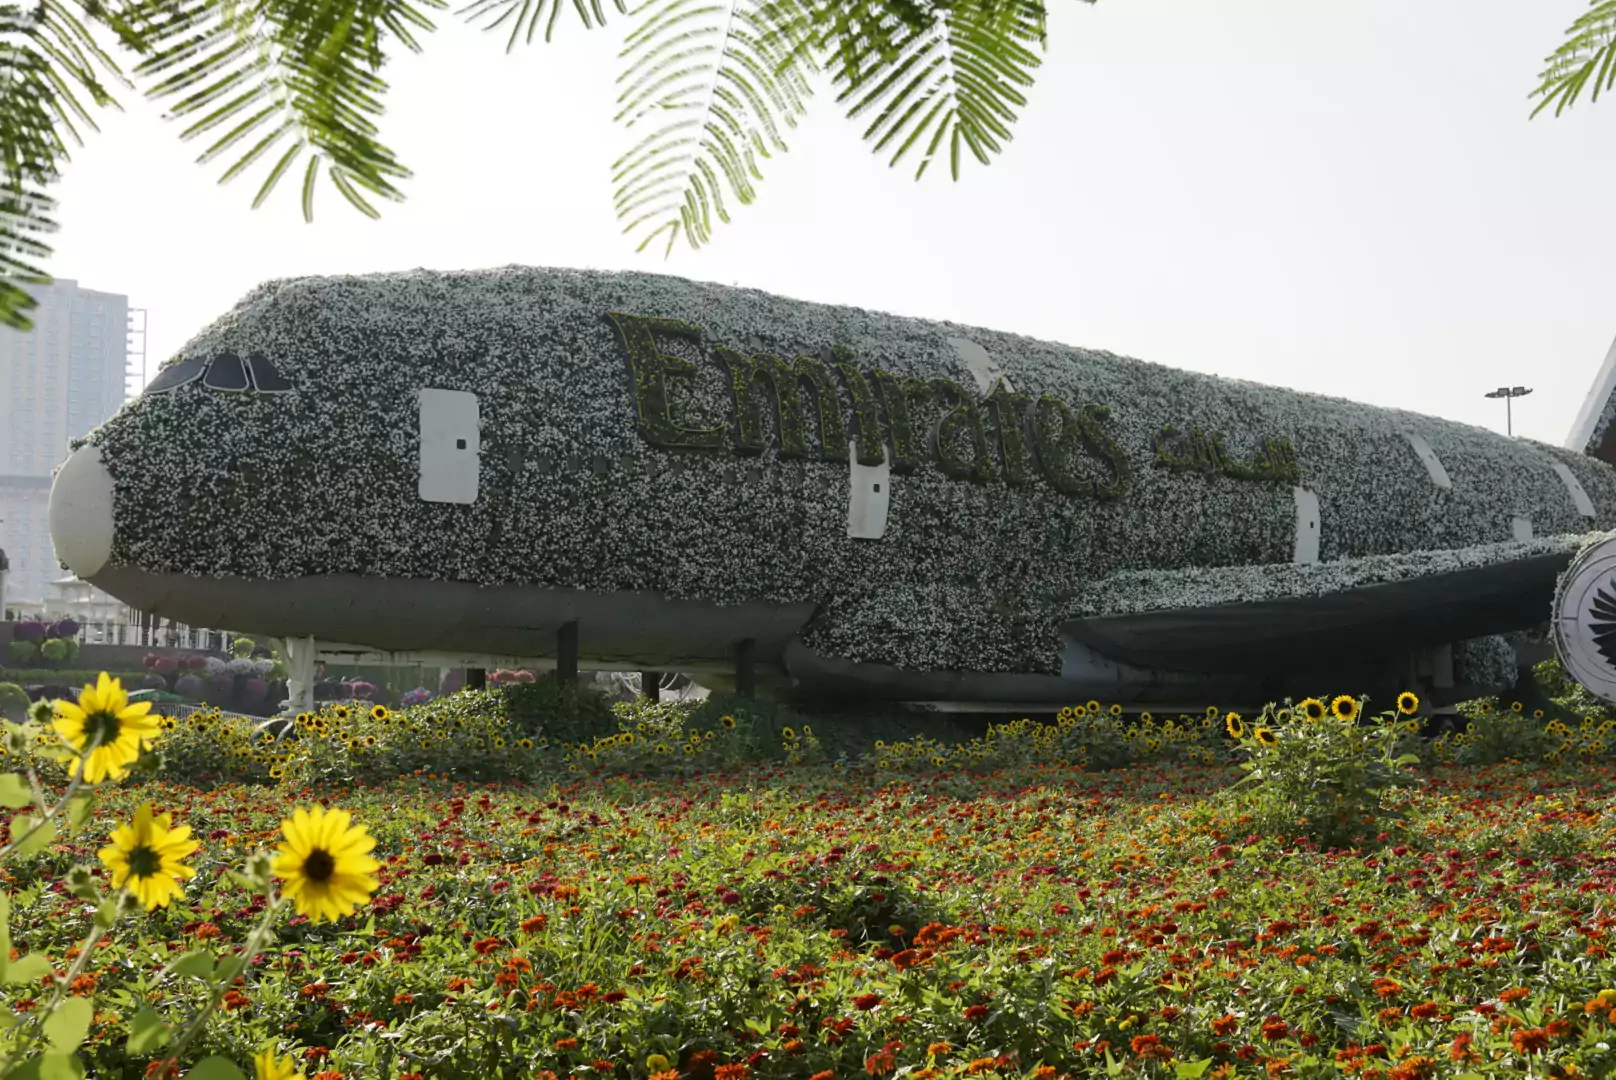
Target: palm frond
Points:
(524, 16)
(282, 82)
(1585, 61)
(709, 87)
(945, 79)
(49, 76)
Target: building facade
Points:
(58, 381)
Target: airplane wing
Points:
(1256, 617)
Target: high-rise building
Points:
(58, 381)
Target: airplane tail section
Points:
(1594, 432)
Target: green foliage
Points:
(548, 709)
(665, 737)
(22, 652)
(1327, 779)
(72, 677)
(1586, 60)
(1087, 736)
(13, 702)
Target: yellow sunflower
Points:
(379, 712)
(524, 744)
(145, 857)
(1515, 706)
(1116, 710)
(1265, 736)
(107, 732)
(727, 721)
(1344, 708)
(1407, 703)
(1312, 708)
(1233, 726)
(266, 1066)
(325, 863)
(1211, 712)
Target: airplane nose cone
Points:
(81, 512)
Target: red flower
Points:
(1150, 1048)
(975, 1012)
(866, 1002)
(1530, 1041)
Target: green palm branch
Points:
(1585, 61)
(708, 88)
(294, 88)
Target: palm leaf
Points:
(709, 87)
(524, 16)
(1585, 61)
(950, 77)
(49, 75)
(275, 83)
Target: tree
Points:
(293, 88)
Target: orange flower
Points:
(535, 924)
(566, 1043)
(1150, 1048)
(738, 1071)
(1530, 1041)
(1515, 993)
(1224, 1024)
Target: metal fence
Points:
(148, 636)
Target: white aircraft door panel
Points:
(869, 495)
(1307, 527)
(451, 446)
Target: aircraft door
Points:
(451, 446)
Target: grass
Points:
(820, 922)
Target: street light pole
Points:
(1509, 394)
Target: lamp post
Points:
(1509, 394)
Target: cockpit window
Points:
(265, 377)
(177, 375)
(226, 372)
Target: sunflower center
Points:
(102, 728)
(319, 866)
(144, 862)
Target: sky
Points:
(1346, 198)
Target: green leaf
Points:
(708, 86)
(198, 962)
(215, 1068)
(78, 810)
(1190, 1070)
(106, 913)
(60, 1065)
(69, 1024)
(14, 793)
(147, 1032)
(27, 969)
(51, 1065)
(37, 840)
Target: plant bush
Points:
(14, 702)
(1325, 772)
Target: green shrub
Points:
(13, 702)
(1324, 772)
(73, 677)
(549, 710)
(22, 652)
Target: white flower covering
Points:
(1486, 661)
(969, 576)
(1135, 591)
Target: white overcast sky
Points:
(1341, 197)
